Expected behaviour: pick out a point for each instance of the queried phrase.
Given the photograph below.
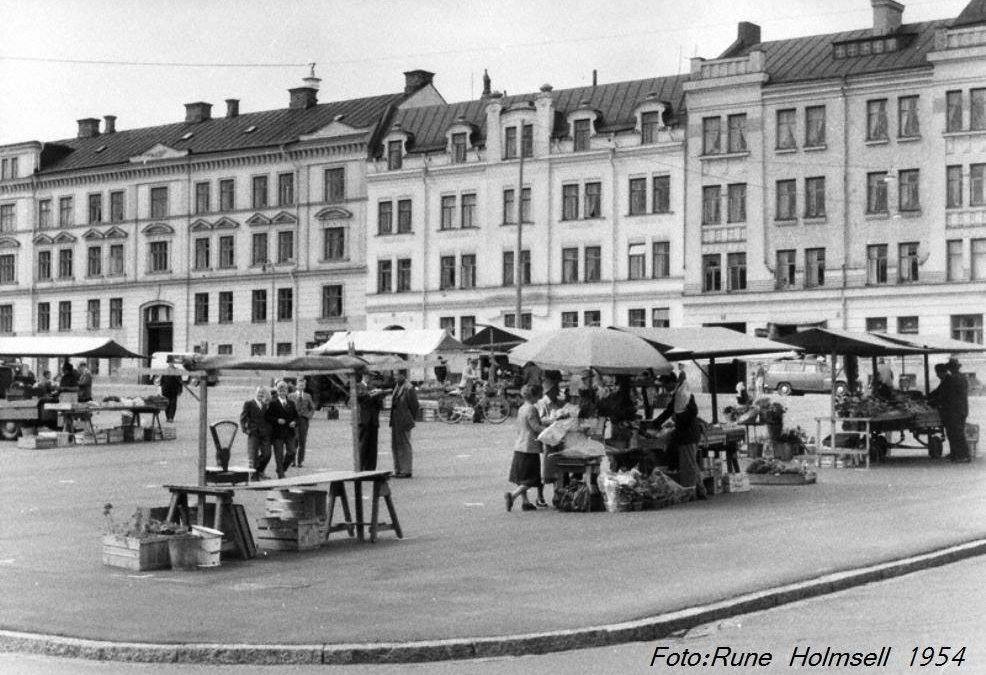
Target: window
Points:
(201, 198)
(814, 267)
(815, 126)
(65, 212)
(201, 308)
(332, 302)
(909, 196)
(468, 214)
(876, 264)
(285, 189)
(711, 135)
(593, 263)
(159, 202)
(258, 306)
(711, 272)
(785, 271)
(116, 259)
(335, 185)
(967, 327)
(953, 261)
(786, 126)
(44, 265)
(736, 200)
(594, 200)
(284, 348)
(224, 349)
(569, 319)
(44, 317)
(227, 252)
(876, 324)
(447, 271)
(94, 261)
(525, 205)
(815, 197)
(116, 312)
(510, 320)
(403, 275)
(458, 148)
(467, 327)
(592, 318)
(403, 216)
(710, 205)
(285, 304)
(650, 123)
(637, 318)
(907, 325)
(259, 253)
(876, 120)
(736, 133)
(582, 130)
(953, 111)
(260, 199)
(662, 194)
(638, 196)
(661, 260)
(227, 195)
(637, 261)
(907, 262)
(509, 206)
(448, 212)
(6, 318)
(977, 109)
(202, 253)
(527, 140)
(569, 265)
(225, 306)
(977, 184)
(510, 143)
(569, 202)
(285, 246)
(978, 261)
(258, 349)
(64, 315)
(907, 117)
(953, 189)
(65, 263)
(510, 273)
(44, 214)
(384, 276)
(395, 155)
(736, 266)
(95, 209)
(876, 192)
(660, 317)
(159, 256)
(447, 323)
(787, 200)
(8, 274)
(469, 271)
(334, 243)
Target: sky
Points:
(142, 60)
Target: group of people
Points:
(534, 463)
(403, 412)
(277, 423)
(951, 398)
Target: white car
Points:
(159, 360)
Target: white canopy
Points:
(417, 341)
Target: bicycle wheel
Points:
(496, 410)
(448, 408)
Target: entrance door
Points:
(158, 330)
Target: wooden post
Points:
(203, 426)
(927, 376)
(831, 407)
(712, 388)
(354, 410)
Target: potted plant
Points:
(139, 543)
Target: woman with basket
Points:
(683, 410)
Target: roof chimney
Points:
(198, 112)
(886, 16)
(302, 97)
(88, 127)
(748, 33)
(416, 79)
(109, 126)
(232, 107)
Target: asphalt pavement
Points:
(468, 579)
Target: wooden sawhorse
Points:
(240, 534)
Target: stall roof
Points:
(708, 342)
(495, 336)
(327, 364)
(93, 347)
(418, 341)
(831, 341)
(934, 343)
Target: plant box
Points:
(291, 534)
(782, 478)
(133, 553)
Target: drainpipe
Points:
(301, 230)
(614, 214)
(188, 253)
(426, 231)
(845, 205)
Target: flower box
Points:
(137, 553)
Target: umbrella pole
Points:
(712, 387)
(203, 427)
(927, 387)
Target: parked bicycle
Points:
(491, 403)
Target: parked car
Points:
(799, 376)
(160, 360)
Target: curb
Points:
(641, 630)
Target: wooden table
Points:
(336, 481)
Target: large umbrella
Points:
(608, 351)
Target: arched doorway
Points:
(158, 329)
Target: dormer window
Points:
(395, 155)
(582, 130)
(650, 122)
(460, 144)
(510, 143)
(510, 147)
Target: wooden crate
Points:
(36, 442)
(782, 479)
(292, 534)
(148, 553)
(297, 504)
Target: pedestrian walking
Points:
(403, 412)
(253, 422)
(369, 402)
(171, 387)
(525, 469)
(441, 370)
(305, 406)
(84, 382)
(282, 417)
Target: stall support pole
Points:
(712, 388)
(927, 386)
(873, 380)
(203, 431)
(831, 406)
(354, 412)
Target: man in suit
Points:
(306, 411)
(403, 412)
(282, 416)
(253, 422)
(369, 401)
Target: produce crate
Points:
(736, 482)
(296, 504)
(168, 433)
(782, 478)
(148, 553)
(36, 443)
(292, 534)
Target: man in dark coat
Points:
(282, 416)
(952, 400)
(369, 401)
(403, 412)
(253, 422)
(171, 389)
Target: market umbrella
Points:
(608, 351)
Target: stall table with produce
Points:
(885, 421)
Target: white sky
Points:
(362, 47)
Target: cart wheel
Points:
(9, 431)
(496, 410)
(934, 447)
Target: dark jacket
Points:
(252, 419)
(404, 407)
(277, 411)
(951, 397)
(170, 386)
(686, 425)
(369, 405)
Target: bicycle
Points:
(490, 402)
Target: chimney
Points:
(594, 77)
(198, 112)
(88, 128)
(887, 16)
(748, 33)
(232, 107)
(302, 98)
(416, 79)
(109, 126)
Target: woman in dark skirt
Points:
(525, 470)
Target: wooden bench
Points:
(178, 512)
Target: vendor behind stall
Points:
(683, 411)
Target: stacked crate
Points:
(296, 520)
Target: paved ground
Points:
(466, 568)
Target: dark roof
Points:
(813, 58)
(221, 134)
(615, 102)
(973, 14)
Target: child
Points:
(525, 470)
